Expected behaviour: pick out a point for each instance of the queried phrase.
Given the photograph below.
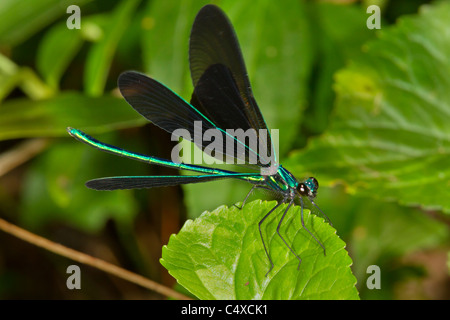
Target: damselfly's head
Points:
(308, 188)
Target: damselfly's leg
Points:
(323, 214)
(303, 225)
(249, 193)
(262, 239)
(246, 197)
(278, 231)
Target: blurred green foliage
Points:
(364, 111)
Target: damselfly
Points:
(222, 100)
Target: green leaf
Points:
(165, 44)
(333, 47)
(220, 256)
(390, 138)
(23, 118)
(20, 19)
(101, 53)
(56, 51)
(385, 231)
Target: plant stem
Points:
(88, 260)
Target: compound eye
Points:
(315, 182)
(302, 189)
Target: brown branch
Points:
(88, 260)
(20, 154)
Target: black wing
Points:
(140, 182)
(222, 90)
(170, 112)
(222, 97)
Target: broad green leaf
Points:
(56, 51)
(23, 118)
(101, 53)
(220, 256)
(390, 138)
(333, 47)
(165, 42)
(60, 45)
(20, 19)
(383, 234)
